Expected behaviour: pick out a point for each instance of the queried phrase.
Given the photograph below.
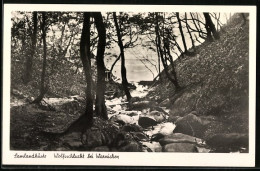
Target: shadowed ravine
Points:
(198, 102)
(141, 126)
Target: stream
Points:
(147, 123)
(117, 111)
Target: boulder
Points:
(139, 136)
(146, 122)
(228, 140)
(132, 128)
(184, 101)
(190, 125)
(132, 146)
(157, 137)
(122, 138)
(180, 147)
(154, 146)
(93, 138)
(179, 138)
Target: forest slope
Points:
(214, 81)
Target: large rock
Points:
(132, 146)
(122, 139)
(139, 136)
(228, 140)
(103, 133)
(185, 100)
(132, 128)
(146, 122)
(180, 147)
(154, 146)
(93, 138)
(190, 125)
(179, 138)
(157, 137)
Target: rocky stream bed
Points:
(142, 126)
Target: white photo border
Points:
(130, 158)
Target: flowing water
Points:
(117, 107)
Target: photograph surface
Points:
(104, 85)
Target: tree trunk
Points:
(123, 69)
(86, 61)
(181, 31)
(43, 88)
(112, 67)
(29, 61)
(158, 43)
(210, 27)
(172, 63)
(187, 26)
(101, 84)
(159, 62)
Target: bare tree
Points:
(43, 87)
(122, 55)
(188, 28)
(100, 106)
(29, 61)
(161, 53)
(181, 31)
(86, 61)
(210, 27)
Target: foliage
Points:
(219, 73)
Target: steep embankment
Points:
(215, 85)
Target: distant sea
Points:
(136, 70)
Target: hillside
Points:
(214, 82)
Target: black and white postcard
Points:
(129, 85)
